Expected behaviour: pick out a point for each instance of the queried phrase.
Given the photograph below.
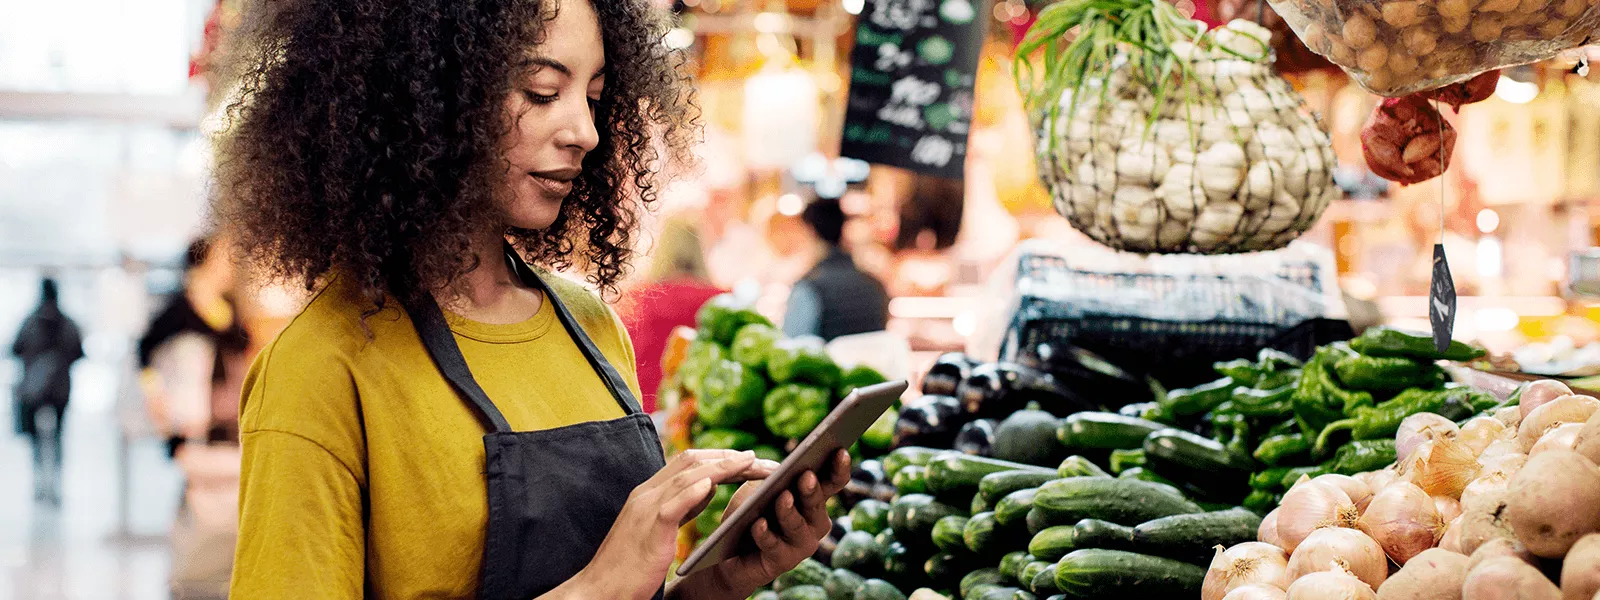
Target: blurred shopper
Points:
(194, 357)
(836, 298)
(447, 418)
(48, 343)
(676, 288)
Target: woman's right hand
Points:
(633, 560)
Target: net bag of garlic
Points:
(1292, 55)
(1396, 47)
(1188, 144)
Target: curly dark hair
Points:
(365, 139)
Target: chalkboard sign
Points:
(911, 83)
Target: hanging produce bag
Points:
(1184, 143)
(1396, 47)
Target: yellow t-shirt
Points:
(363, 469)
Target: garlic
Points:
(1261, 184)
(1141, 162)
(1181, 194)
(1220, 169)
(1215, 223)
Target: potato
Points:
(1506, 578)
(1481, 520)
(1501, 547)
(1588, 443)
(1580, 574)
(1552, 501)
(1434, 574)
(1566, 409)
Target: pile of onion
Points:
(1250, 563)
(1404, 520)
(1311, 505)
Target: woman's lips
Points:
(554, 187)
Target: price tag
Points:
(1441, 300)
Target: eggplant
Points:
(930, 421)
(976, 438)
(995, 390)
(1081, 370)
(867, 480)
(947, 373)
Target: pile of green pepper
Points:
(1335, 413)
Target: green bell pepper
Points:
(1270, 480)
(1384, 341)
(1272, 380)
(1198, 400)
(727, 439)
(1293, 475)
(730, 394)
(859, 376)
(1361, 456)
(1270, 359)
(880, 435)
(1383, 420)
(1362, 372)
(800, 361)
(1252, 402)
(1318, 400)
(1122, 460)
(1242, 371)
(1277, 448)
(1287, 426)
(754, 343)
(1260, 501)
(697, 359)
(792, 410)
(721, 318)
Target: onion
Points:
(1566, 409)
(1479, 432)
(1419, 428)
(1539, 393)
(1487, 483)
(1308, 506)
(1353, 550)
(1379, 479)
(1510, 463)
(1358, 491)
(1510, 415)
(1336, 584)
(1403, 520)
(1499, 448)
(1245, 564)
(1452, 536)
(1268, 531)
(1562, 437)
(1441, 467)
(1447, 507)
(1255, 592)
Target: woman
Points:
(47, 343)
(443, 420)
(677, 285)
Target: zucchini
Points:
(945, 569)
(1053, 543)
(982, 577)
(1202, 464)
(912, 479)
(980, 504)
(900, 458)
(1104, 431)
(1096, 573)
(870, 515)
(1036, 521)
(1192, 538)
(1122, 501)
(912, 517)
(995, 486)
(1094, 533)
(803, 592)
(1013, 509)
(842, 584)
(1144, 474)
(1044, 582)
(1013, 562)
(857, 551)
(1031, 570)
(947, 534)
(1078, 466)
(878, 589)
(956, 473)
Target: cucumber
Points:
(912, 517)
(1104, 431)
(1031, 570)
(1013, 562)
(1036, 521)
(804, 592)
(983, 535)
(857, 551)
(1078, 466)
(1028, 437)
(947, 534)
(995, 486)
(1096, 573)
(1144, 474)
(982, 577)
(1202, 464)
(808, 572)
(900, 458)
(1044, 582)
(945, 569)
(956, 473)
(1053, 543)
(884, 539)
(1192, 538)
(903, 566)
(878, 589)
(980, 504)
(1121, 501)
(1122, 460)
(842, 584)
(1013, 509)
(912, 479)
(870, 515)
(1000, 593)
(1094, 533)
(765, 595)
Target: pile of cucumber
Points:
(982, 528)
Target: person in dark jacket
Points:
(836, 298)
(48, 343)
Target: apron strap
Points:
(597, 360)
(441, 345)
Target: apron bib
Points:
(552, 494)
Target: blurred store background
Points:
(103, 185)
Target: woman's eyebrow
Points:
(549, 63)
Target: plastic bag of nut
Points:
(1397, 47)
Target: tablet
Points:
(838, 430)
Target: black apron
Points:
(553, 494)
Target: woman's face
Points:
(552, 105)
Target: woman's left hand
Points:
(800, 523)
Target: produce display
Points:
(1156, 136)
(1502, 504)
